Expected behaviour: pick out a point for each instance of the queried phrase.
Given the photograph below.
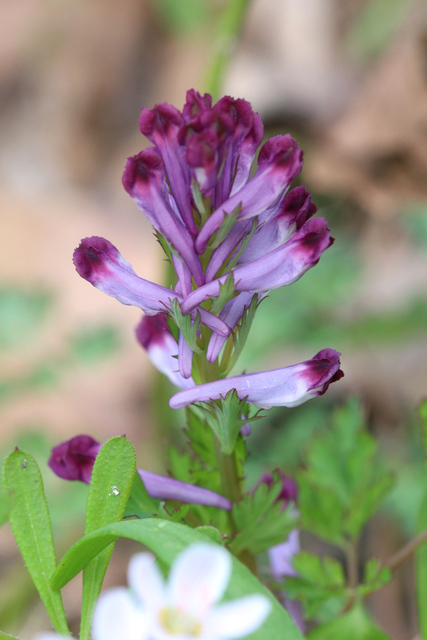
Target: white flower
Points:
(185, 607)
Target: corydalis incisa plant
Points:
(230, 238)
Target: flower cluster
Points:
(230, 237)
(183, 608)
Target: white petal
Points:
(198, 578)
(146, 581)
(117, 616)
(238, 618)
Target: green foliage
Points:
(7, 636)
(238, 338)
(344, 481)
(261, 520)
(31, 526)
(355, 625)
(21, 314)
(140, 504)
(224, 416)
(228, 222)
(5, 507)
(320, 582)
(375, 576)
(226, 293)
(186, 325)
(167, 540)
(94, 344)
(109, 490)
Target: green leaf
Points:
(186, 325)
(261, 520)
(225, 419)
(240, 337)
(212, 533)
(320, 581)
(375, 577)
(7, 636)
(140, 504)
(226, 293)
(5, 507)
(31, 526)
(355, 625)
(423, 418)
(109, 490)
(167, 540)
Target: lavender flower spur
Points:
(288, 387)
(74, 459)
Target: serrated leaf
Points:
(320, 509)
(109, 490)
(31, 526)
(355, 625)
(226, 293)
(227, 224)
(261, 521)
(186, 325)
(167, 540)
(375, 576)
(225, 419)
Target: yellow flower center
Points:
(176, 622)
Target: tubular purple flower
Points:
(279, 268)
(288, 387)
(100, 263)
(161, 126)
(294, 210)
(74, 460)
(153, 334)
(279, 162)
(144, 179)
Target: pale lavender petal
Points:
(281, 557)
(226, 249)
(185, 358)
(146, 581)
(117, 616)
(280, 163)
(99, 262)
(289, 387)
(279, 268)
(198, 578)
(239, 618)
(247, 154)
(144, 179)
(231, 314)
(153, 334)
(183, 286)
(164, 488)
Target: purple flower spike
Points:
(288, 387)
(153, 334)
(279, 162)
(279, 268)
(161, 126)
(74, 460)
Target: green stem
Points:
(229, 27)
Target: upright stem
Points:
(229, 27)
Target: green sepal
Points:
(227, 224)
(30, 523)
(261, 520)
(109, 490)
(167, 540)
(320, 582)
(243, 246)
(187, 326)
(354, 625)
(164, 244)
(226, 293)
(224, 416)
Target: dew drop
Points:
(115, 490)
(24, 464)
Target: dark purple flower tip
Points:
(162, 118)
(152, 329)
(195, 105)
(74, 459)
(141, 168)
(297, 205)
(283, 152)
(324, 369)
(315, 239)
(289, 490)
(89, 257)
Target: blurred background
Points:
(348, 79)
